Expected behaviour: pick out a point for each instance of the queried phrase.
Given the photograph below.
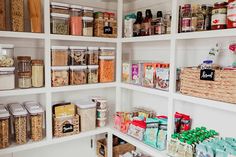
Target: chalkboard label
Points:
(67, 128)
(107, 30)
(207, 74)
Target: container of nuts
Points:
(78, 75)
(93, 55)
(19, 122)
(4, 127)
(78, 55)
(36, 113)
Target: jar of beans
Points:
(93, 55)
(24, 80)
(78, 55)
(4, 127)
(60, 24)
(60, 76)
(24, 63)
(78, 75)
(19, 122)
(88, 26)
(106, 69)
(76, 20)
(93, 74)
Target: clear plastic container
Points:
(6, 55)
(107, 51)
(60, 76)
(87, 112)
(88, 12)
(36, 113)
(60, 8)
(17, 11)
(93, 74)
(59, 55)
(88, 26)
(19, 122)
(3, 12)
(78, 55)
(24, 80)
(5, 127)
(76, 25)
(93, 54)
(78, 75)
(7, 78)
(37, 73)
(60, 24)
(24, 63)
(106, 69)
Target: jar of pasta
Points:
(78, 55)
(37, 73)
(93, 55)
(24, 63)
(106, 69)
(60, 24)
(6, 55)
(93, 74)
(59, 55)
(36, 113)
(19, 122)
(17, 15)
(4, 127)
(60, 76)
(88, 26)
(78, 75)
(76, 20)
(24, 80)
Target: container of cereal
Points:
(107, 51)
(7, 78)
(87, 112)
(93, 74)
(36, 113)
(60, 76)
(19, 122)
(93, 55)
(78, 75)
(87, 12)
(106, 69)
(78, 55)
(24, 80)
(59, 55)
(60, 24)
(101, 122)
(60, 8)
(4, 127)
(88, 26)
(6, 55)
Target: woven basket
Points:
(223, 88)
(58, 124)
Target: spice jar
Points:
(76, 20)
(87, 12)
(2, 15)
(60, 76)
(60, 8)
(60, 24)
(19, 122)
(107, 51)
(106, 69)
(219, 15)
(24, 80)
(37, 73)
(231, 14)
(78, 55)
(6, 55)
(4, 127)
(36, 120)
(93, 55)
(59, 55)
(24, 63)
(7, 78)
(78, 75)
(93, 74)
(17, 15)
(88, 26)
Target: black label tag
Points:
(107, 30)
(102, 151)
(67, 128)
(207, 74)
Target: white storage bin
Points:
(7, 78)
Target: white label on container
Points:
(231, 13)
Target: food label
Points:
(219, 17)
(207, 74)
(126, 70)
(107, 28)
(135, 73)
(186, 24)
(149, 75)
(162, 76)
(231, 13)
(67, 127)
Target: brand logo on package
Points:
(67, 128)
(207, 74)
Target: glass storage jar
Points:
(17, 15)
(107, 51)
(93, 74)
(5, 127)
(36, 113)
(88, 26)
(24, 80)
(24, 63)
(2, 15)
(37, 73)
(60, 8)
(93, 54)
(87, 12)
(6, 55)
(19, 122)
(106, 69)
(60, 24)
(219, 16)
(7, 78)
(78, 75)
(78, 55)
(59, 55)
(60, 76)
(76, 20)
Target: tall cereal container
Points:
(4, 127)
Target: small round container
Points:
(101, 122)
(59, 55)
(76, 20)
(88, 26)
(24, 63)
(101, 104)
(37, 73)
(19, 122)
(101, 113)
(78, 75)
(61, 8)
(60, 24)
(92, 74)
(5, 127)
(106, 69)
(6, 55)
(78, 55)
(88, 12)
(60, 76)
(93, 54)
(24, 80)
(107, 51)
(7, 78)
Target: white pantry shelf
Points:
(18, 92)
(164, 37)
(22, 35)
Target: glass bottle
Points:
(194, 18)
(146, 25)
(157, 24)
(206, 10)
(186, 18)
(137, 24)
(167, 21)
(200, 19)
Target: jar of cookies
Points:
(4, 127)
(6, 55)
(93, 74)
(36, 120)
(93, 55)
(19, 122)
(59, 55)
(106, 69)
(60, 76)
(78, 75)
(78, 55)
